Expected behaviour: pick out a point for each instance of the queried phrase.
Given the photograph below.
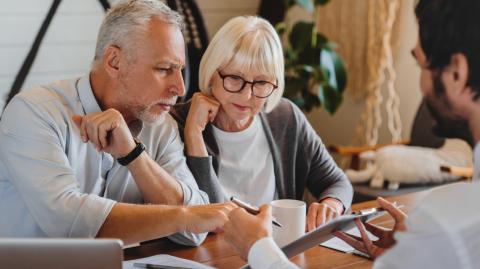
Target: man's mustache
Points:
(169, 102)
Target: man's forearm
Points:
(137, 223)
(155, 184)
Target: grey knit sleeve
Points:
(325, 178)
(207, 180)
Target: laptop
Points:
(59, 253)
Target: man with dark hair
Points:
(440, 39)
(443, 230)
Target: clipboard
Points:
(324, 232)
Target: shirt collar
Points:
(90, 104)
(85, 93)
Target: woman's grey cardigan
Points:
(300, 159)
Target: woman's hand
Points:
(325, 210)
(203, 110)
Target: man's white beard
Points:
(146, 116)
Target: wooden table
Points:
(217, 253)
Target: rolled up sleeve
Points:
(174, 162)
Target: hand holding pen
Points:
(251, 209)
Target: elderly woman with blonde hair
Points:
(243, 139)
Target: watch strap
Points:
(139, 148)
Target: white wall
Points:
(217, 12)
(66, 50)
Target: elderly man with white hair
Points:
(80, 157)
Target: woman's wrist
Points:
(194, 144)
(335, 203)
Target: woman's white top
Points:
(245, 164)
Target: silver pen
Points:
(251, 209)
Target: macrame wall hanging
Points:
(365, 31)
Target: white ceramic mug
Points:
(291, 214)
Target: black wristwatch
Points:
(139, 148)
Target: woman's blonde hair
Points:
(245, 43)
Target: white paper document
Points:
(165, 260)
(340, 245)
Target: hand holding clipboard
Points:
(385, 236)
(342, 223)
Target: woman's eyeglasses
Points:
(235, 84)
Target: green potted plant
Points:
(314, 73)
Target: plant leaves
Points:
(322, 41)
(290, 57)
(280, 28)
(330, 98)
(321, 2)
(310, 56)
(321, 74)
(334, 64)
(311, 100)
(301, 35)
(306, 4)
(314, 73)
(294, 86)
(289, 3)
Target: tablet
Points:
(324, 232)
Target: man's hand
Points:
(203, 110)
(319, 213)
(385, 236)
(205, 218)
(243, 229)
(107, 131)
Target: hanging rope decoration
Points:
(365, 33)
(393, 100)
(379, 40)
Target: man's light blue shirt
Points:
(52, 184)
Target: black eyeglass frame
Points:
(245, 82)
